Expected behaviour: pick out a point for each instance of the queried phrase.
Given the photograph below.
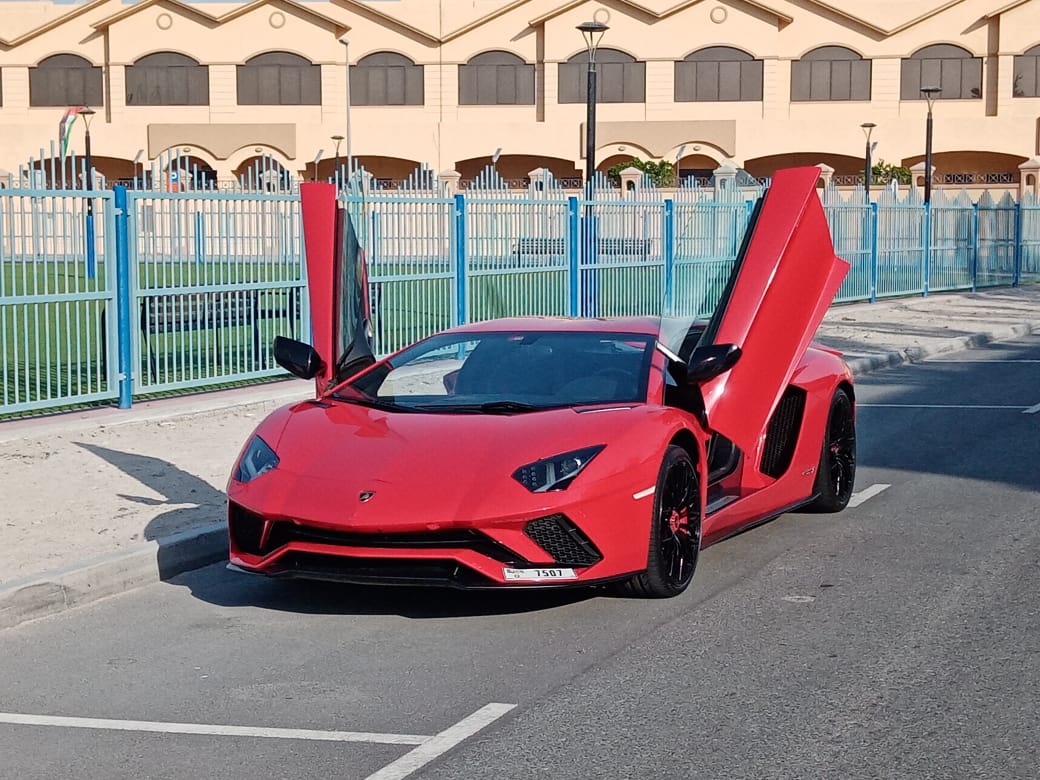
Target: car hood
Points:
(429, 470)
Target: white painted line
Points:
(644, 493)
(964, 360)
(940, 406)
(211, 730)
(867, 493)
(440, 744)
(1032, 409)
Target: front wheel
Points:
(836, 473)
(675, 530)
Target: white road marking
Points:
(963, 360)
(441, 743)
(644, 493)
(159, 727)
(799, 599)
(1032, 409)
(941, 406)
(867, 493)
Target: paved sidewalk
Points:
(97, 502)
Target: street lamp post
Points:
(88, 113)
(868, 168)
(346, 66)
(592, 32)
(930, 94)
(337, 139)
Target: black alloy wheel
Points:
(675, 531)
(836, 474)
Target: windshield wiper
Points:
(374, 403)
(506, 407)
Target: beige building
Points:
(448, 83)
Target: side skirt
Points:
(761, 520)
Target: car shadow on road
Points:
(217, 585)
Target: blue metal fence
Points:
(127, 292)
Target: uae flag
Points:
(65, 128)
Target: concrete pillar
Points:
(725, 179)
(826, 174)
(450, 182)
(631, 179)
(1029, 178)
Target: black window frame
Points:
(291, 71)
(613, 67)
(1026, 69)
(828, 74)
(399, 80)
(49, 73)
(941, 65)
(167, 78)
(496, 78)
(701, 76)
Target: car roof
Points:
(642, 325)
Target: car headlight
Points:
(557, 472)
(258, 459)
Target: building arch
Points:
(952, 68)
(830, 73)
(496, 78)
(167, 78)
(278, 78)
(717, 74)
(65, 79)
(622, 78)
(387, 78)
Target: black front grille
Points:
(782, 434)
(380, 571)
(563, 540)
(246, 529)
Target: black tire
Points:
(675, 530)
(836, 474)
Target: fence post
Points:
(200, 238)
(974, 246)
(926, 269)
(573, 237)
(1018, 245)
(668, 237)
(460, 259)
(124, 328)
(873, 252)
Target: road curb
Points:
(871, 363)
(81, 583)
(161, 559)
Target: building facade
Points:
(452, 84)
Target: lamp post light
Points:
(88, 114)
(337, 139)
(346, 67)
(930, 94)
(868, 168)
(592, 32)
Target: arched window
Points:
(167, 79)
(943, 65)
(65, 80)
(718, 73)
(1026, 81)
(619, 78)
(279, 78)
(386, 79)
(496, 78)
(830, 73)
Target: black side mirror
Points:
(708, 362)
(297, 358)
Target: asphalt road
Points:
(898, 639)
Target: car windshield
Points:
(508, 373)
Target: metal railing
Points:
(117, 294)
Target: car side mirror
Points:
(708, 362)
(297, 358)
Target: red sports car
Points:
(548, 452)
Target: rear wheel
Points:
(836, 473)
(675, 530)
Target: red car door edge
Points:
(783, 282)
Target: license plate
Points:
(539, 575)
